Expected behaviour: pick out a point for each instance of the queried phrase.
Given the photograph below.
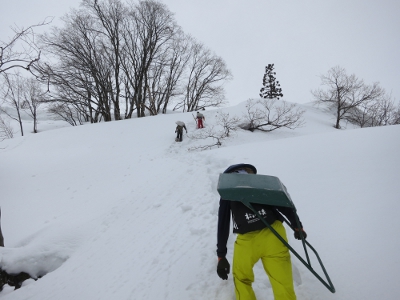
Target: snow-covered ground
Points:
(120, 211)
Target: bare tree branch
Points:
(208, 133)
(21, 50)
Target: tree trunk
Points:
(337, 125)
(1, 234)
(20, 123)
(34, 114)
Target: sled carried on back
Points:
(269, 190)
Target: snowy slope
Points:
(120, 211)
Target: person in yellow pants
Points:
(262, 244)
(254, 242)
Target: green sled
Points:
(251, 188)
(269, 190)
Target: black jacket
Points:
(180, 128)
(240, 214)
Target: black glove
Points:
(297, 233)
(223, 268)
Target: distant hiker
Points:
(179, 130)
(255, 241)
(200, 117)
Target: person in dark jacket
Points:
(256, 241)
(179, 130)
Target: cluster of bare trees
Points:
(379, 112)
(356, 102)
(112, 60)
(21, 94)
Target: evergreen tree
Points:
(270, 89)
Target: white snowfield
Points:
(120, 210)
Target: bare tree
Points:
(345, 92)
(385, 110)
(66, 112)
(74, 100)
(269, 114)
(166, 72)
(110, 14)
(12, 94)
(228, 123)
(148, 31)
(204, 80)
(33, 96)
(363, 115)
(396, 115)
(82, 68)
(377, 112)
(6, 131)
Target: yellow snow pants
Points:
(263, 244)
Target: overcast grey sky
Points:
(303, 38)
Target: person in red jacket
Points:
(255, 241)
